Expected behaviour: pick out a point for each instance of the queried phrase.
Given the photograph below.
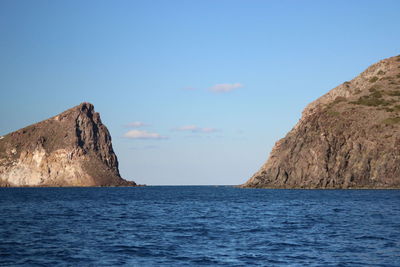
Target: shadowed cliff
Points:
(348, 138)
(71, 149)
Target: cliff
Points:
(71, 149)
(348, 138)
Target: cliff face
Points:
(348, 138)
(71, 149)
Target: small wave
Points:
(370, 237)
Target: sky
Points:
(192, 92)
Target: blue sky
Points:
(193, 92)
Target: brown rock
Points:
(348, 138)
(71, 149)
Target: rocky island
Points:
(71, 149)
(348, 138)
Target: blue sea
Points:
(198, 225)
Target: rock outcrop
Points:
(348, 138)
(71, 149)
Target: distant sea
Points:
(198, 225)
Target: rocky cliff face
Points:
(348, 138)
(71, 149)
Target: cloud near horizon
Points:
(138, 134)
(195, 129)
(144, 147)
(225, 87)
(136, 124)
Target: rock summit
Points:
(71, 149)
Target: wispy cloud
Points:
(225, 87)
(136, 124)
(144, 147)
(195, 129)
(138, 134)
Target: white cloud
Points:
(187, 128)
(138, 134)
(144, 147)
(136, 124)
(225, 87)
(195, 129)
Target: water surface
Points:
(201, 225)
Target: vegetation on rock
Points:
(348, 138)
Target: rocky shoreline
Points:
(71, 149)
(348, 138)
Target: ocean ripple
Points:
(191, 226)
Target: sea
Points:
(198, 226)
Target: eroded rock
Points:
(71, 149)
(348, 138)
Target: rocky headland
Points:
(71, 149)
(348, 138)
